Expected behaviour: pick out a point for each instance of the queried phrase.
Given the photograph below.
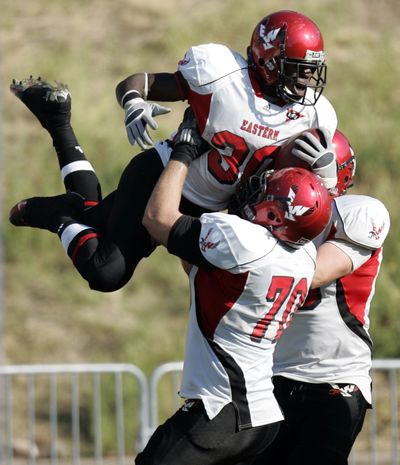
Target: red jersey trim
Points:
(359, 286)
(216, 293)
(201, 106)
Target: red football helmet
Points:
(292, 203)
(346, 162)
(283, 46)
(345, 158)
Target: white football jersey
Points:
(237, 312)
(243, 128)
(328, 340)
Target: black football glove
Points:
(188, 144)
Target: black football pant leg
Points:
(108, 261)
(189, 437)
(320, 427)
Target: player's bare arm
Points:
(162, 210)
(332, 263)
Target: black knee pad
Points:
(107, 270)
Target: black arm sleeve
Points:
(183, 241)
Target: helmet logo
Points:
(268, 38)
(294, 210)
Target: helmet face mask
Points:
(346, 173)
(291, 203)
(247, 194)
(286, 52)
(298, 76)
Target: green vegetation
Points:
(51, 316)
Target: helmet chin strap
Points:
(291, 95)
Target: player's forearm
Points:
(162, 210)
(134, 83)
(163, 87)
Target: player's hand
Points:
(320, 155)
(187, 132)
(139, 114)
(188, 144)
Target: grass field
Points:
(50, 314)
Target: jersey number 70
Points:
(281, 290)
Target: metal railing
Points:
(19, 398)
(167, 368)
(33, 395)
(379, 441)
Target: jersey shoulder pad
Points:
(227, 241)
(204, 64)
(362, 220)
(326, 115)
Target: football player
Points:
(245, 109)
(251, 272)
(322, 362)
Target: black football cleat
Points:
(17, 214)
(51, 104)
(46, 212)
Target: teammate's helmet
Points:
(283, 45)
(292, 203)
(346, 162)
(345, 158)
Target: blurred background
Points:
(48, 313)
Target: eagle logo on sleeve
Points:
(185, 60)
(376, 232)
(206, 244)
